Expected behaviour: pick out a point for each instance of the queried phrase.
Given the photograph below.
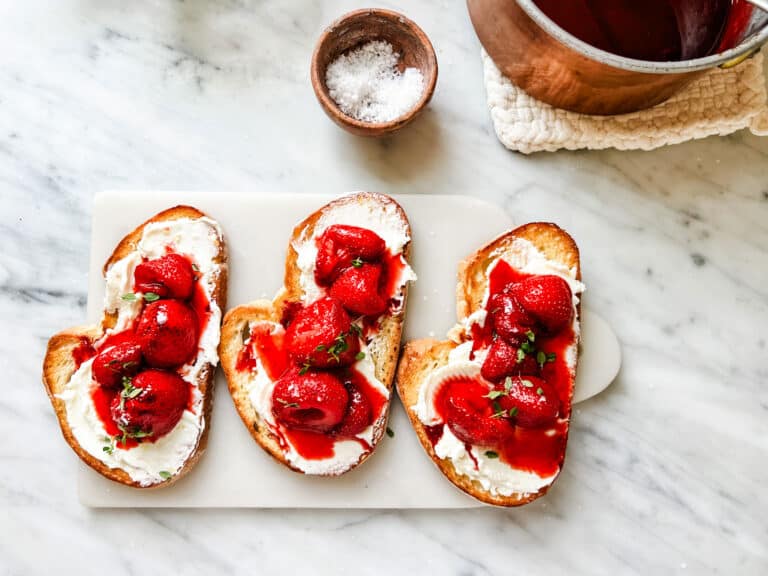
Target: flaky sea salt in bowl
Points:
(373, 71)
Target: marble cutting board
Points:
(234, 471)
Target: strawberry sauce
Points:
(202, 307)
(267, 347)
(537, 450)
(83, 351)
(394, 266)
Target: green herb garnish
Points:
(390, 432)
(539, 391)
(527, 347)
(110, 447)
(493, 394)
(359, 356)
(339, 347)
(304, 368)
(357, 263)
(491, 454)
(530, 335)
(526, 383)
(513, 412)
(132, 434)
(164, 475)
(520, 355)
(129, 391)
(356, 329)
(149, 297)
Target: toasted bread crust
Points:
(420, 357)
(385, 359)
(59, 364)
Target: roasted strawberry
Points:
(548, 299)
(167, 333)
(471, 414)
(530, 401)
(503, 359)
(331, 260)
(170, 276)
(151, 404)
(359, 412)
(321, 335)
(358, 287)
(508, 318)
(114, 362)
(341, 246)
(361, 242)
(315, 401)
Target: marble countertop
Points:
(666, 471)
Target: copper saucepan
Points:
(555, 67)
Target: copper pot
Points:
(555, 67)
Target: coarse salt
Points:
(367, 85)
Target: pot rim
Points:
(634, 65)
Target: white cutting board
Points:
(235, 471)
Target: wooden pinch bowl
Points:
(358, 28)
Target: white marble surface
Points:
(666, 472)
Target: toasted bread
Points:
(384, 350)
(60, 365)
(421, 357)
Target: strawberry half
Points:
(113, 363)
(508, 318)
(151, 405)
(321, 335)
(358, 290)
(503, 359)
(359, 413)
(316, 401)
(167, 333)
(531, 402)
(170, 276)
(471, 415)
(548, 299)
(341, 245)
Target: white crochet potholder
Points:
(720, 102)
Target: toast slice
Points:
(68, 353)
(421, 358)
(381, 348)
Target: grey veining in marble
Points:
(666, 472)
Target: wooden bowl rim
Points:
(320, 88)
